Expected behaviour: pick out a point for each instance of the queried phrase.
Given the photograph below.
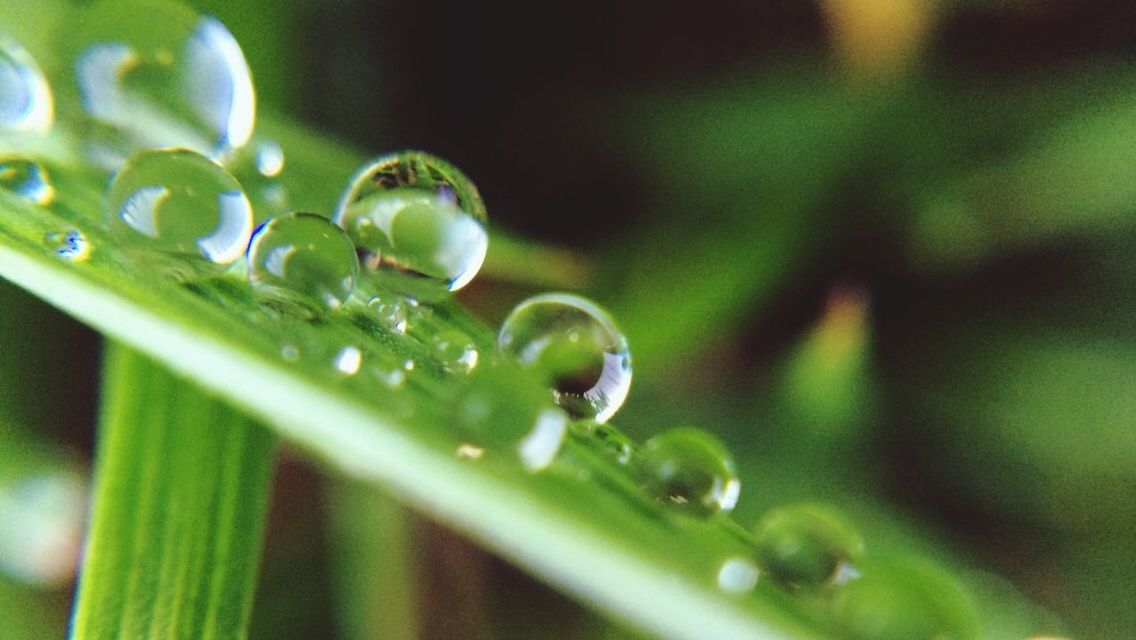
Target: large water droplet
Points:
(302, 259)
(804, 545)
(417, 222)
(180, 210)
(25, 98)
(576, 347)
(499, 407)
(70, 245)
(690, 470)
(153, 74)
(26, 179)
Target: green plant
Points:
(231, 372)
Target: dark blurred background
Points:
(884, 248)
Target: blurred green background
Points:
(884, 248)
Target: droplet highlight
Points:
(302, 259)
(26, 102)
(151, 73)
(737, 575)
(348, 360)
(455, 351)
(390, 311)
(26, 179)
(575, 347)
(181, 209)
(689, 470)
(417, 222)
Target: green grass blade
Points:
(182, 485)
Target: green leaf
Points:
(597, 539)
(182, 485)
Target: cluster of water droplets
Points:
(171, 112)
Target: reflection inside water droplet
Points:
(538, 449)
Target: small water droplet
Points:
(690, 470)
(290, 352)
(390, 311)
(455, 351)
(417, 222)
(70, 245)
(348, 360)
(607, 439)
(176, 79)
(302, 259)
(575, 346)
(804, 545)
(26, 103)
(269, 158)
(408, 365)
(737, 575)
(176, 207)
(391, 378)
(26, 179)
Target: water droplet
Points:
(576, 347)
(348, 360)
(302, 259)
(390, 311)
(804, 545)
(455, 351)
(26, 103)
(69, 245)
(417, 222)
(690, 470)
(269, 158)
(468, 451)
(408, 365)
(392, 378)
(26, 179)
(606, 439)
(905, 599)
(181, 209)
(290, 352)
(737, 575)
(152, 73)
(500, 406)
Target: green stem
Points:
(181, 491)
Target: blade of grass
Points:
(182, 485)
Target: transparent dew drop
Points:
(69, 245)
(153, 73)
(905, 599)
(258, 166)
(348, 360)
(455, 351)
(26, 103)
(498, 408)
(575, 346)
(26, 179)
(180, 210)
(805, 545)
(269, 158)
(417, 222)
(290, 352)
(302, 259)
(390, 311)
(737, 575)
(606, 439)
(689, 470)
